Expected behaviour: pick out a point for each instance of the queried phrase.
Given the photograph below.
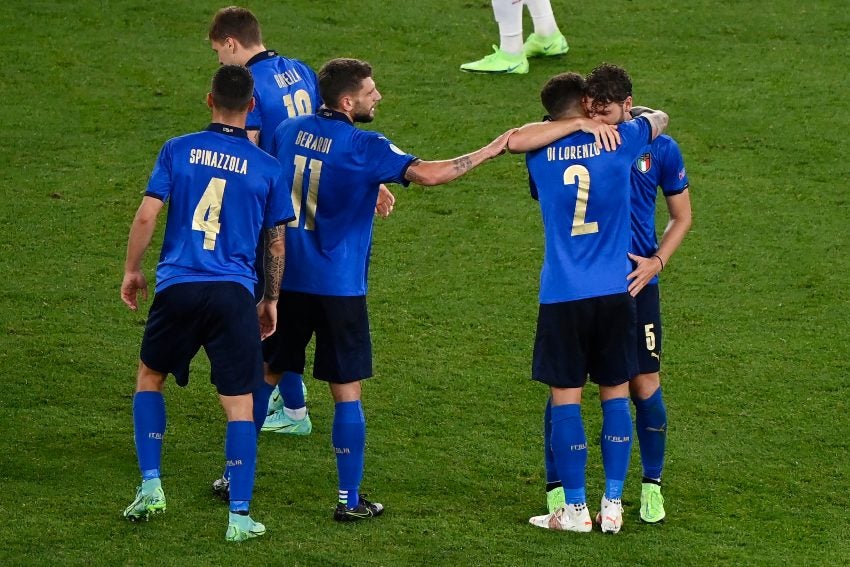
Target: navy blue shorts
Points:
(648, 328)
(592, 337)
(343, 343)
(219, 316)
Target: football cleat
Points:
(555, 499)
(651, 503)
(610, 517)
(279, 422)
(240, 528)
(221, 488)
(276, 400)
(568, 518)
(545, 45)
(498, 62)
(364, 511)
(150, 500)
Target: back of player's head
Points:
(562, 93)
(341, 76)
(237, 23)
(232, 88)
(608, 83)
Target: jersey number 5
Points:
(208, 212)
(578, 175)
(314, 168)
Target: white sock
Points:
(543, 17)
(295, 414)
(509, 17)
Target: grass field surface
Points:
(756, 302)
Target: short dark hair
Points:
(341, 76)
(608, 83)
(238, 23)
(561, 93)
(232, 88)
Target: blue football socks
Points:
(149, 429)
(651, 421)
(291, 390)
(240, 452)
(548, 456)
(616, 445)
(569, 447)
(261, 393)
(349, 441)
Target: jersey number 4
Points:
(579, 176)
(208, 212)
(313, 169)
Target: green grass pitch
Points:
(756, 301)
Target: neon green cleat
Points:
(150, 500)
(279, 422)
(651, 503)
(545, 46)
(498, 62)
(276, 400)
(555, 499)
(241, 528)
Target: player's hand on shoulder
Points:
(606, 135)
(500, 145)
(133, 283)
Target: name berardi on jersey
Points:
(572, 152)
(219, 160)
(313, 142)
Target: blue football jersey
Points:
(335, 170)
(584, 195)
(283, 88)
(660, 164)
(221, 190)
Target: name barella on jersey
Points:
(660, 164)
(220, 189)
(283, 88)
(584, 195)
(335, 170)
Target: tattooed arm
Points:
(273, 260)
(439, 172)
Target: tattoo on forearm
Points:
(273, 261)
(462, 164)
(412, 175)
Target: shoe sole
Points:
(542, 55)
(144, 516)
(352, 518)
(245, 536)
(286, 431)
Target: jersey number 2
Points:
(315, 172)
(578, 175)
(208, 212)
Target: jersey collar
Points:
(228, 130)
(261, 56)
(326, 112)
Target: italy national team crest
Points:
(644, 162)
